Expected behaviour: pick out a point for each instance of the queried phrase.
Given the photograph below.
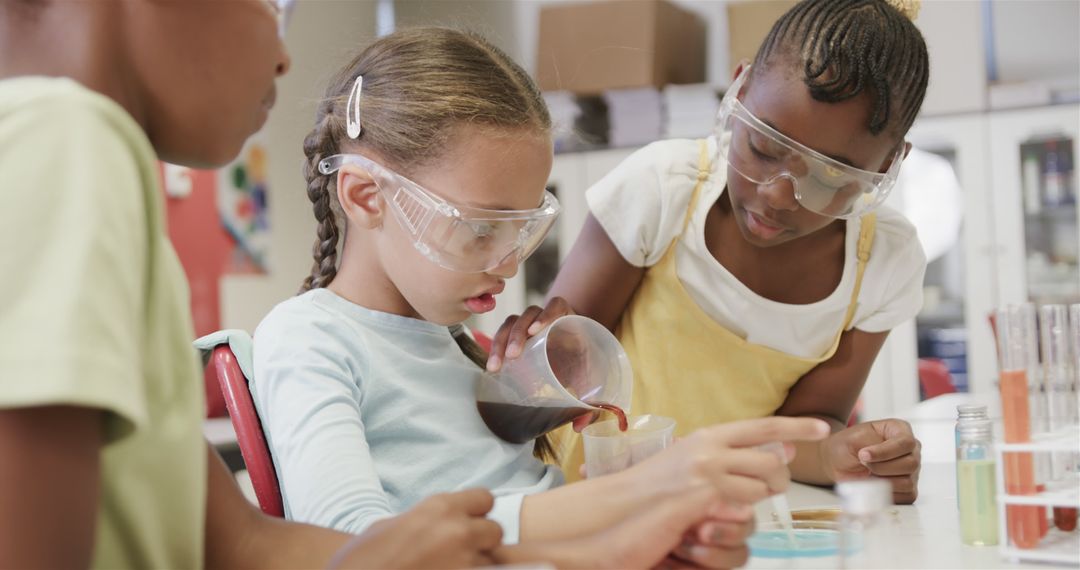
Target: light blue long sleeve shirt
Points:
(367, 413)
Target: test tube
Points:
(1016, 338)
(1066, 518)
(1037, 398)
(1058, 372)
(1074, 346)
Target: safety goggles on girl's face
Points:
(763, 155)
(458, 238)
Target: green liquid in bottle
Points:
(978, 511)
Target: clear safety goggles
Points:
(458, 238)
(763, 155)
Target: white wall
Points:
(322, 35)
(1036, 39)
(953, 31)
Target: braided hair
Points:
(848, 47)
(321, 142)
(420, 84)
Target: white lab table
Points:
(927, 534)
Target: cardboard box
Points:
(749, 21)
(615, 44)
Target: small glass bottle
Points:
(864, 533)
(976, 484)
(965, 414)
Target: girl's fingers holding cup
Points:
(519, 332)
(498, 344)
(557, 307)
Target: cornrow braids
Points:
(318, 144)
(848, 47)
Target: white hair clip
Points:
(352, 110)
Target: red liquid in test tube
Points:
(1016, 340)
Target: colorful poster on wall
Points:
(242, 205)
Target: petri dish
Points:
(813, 539)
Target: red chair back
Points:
(935, 378)
(249, 433)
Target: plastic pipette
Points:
(779, 501)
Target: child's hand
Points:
(672, 540)
(443, 531)
(719, 541)
(723, 459)
(515, 330)
(883, 448)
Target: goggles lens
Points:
(822, 185)
(458, 238)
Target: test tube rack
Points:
(1057, 547)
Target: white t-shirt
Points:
(642, 203)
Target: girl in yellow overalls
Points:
(755, 272)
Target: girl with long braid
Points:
(756, 273)
(426, 170)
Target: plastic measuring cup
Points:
(609, 450)
(561, 372)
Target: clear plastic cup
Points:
(561, 372)
(609, 450)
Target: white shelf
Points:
(1056, 547)
(1065, 441)
(1054, 498)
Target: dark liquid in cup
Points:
(521, 424)
(619, 413)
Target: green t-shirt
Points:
(94, 312)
